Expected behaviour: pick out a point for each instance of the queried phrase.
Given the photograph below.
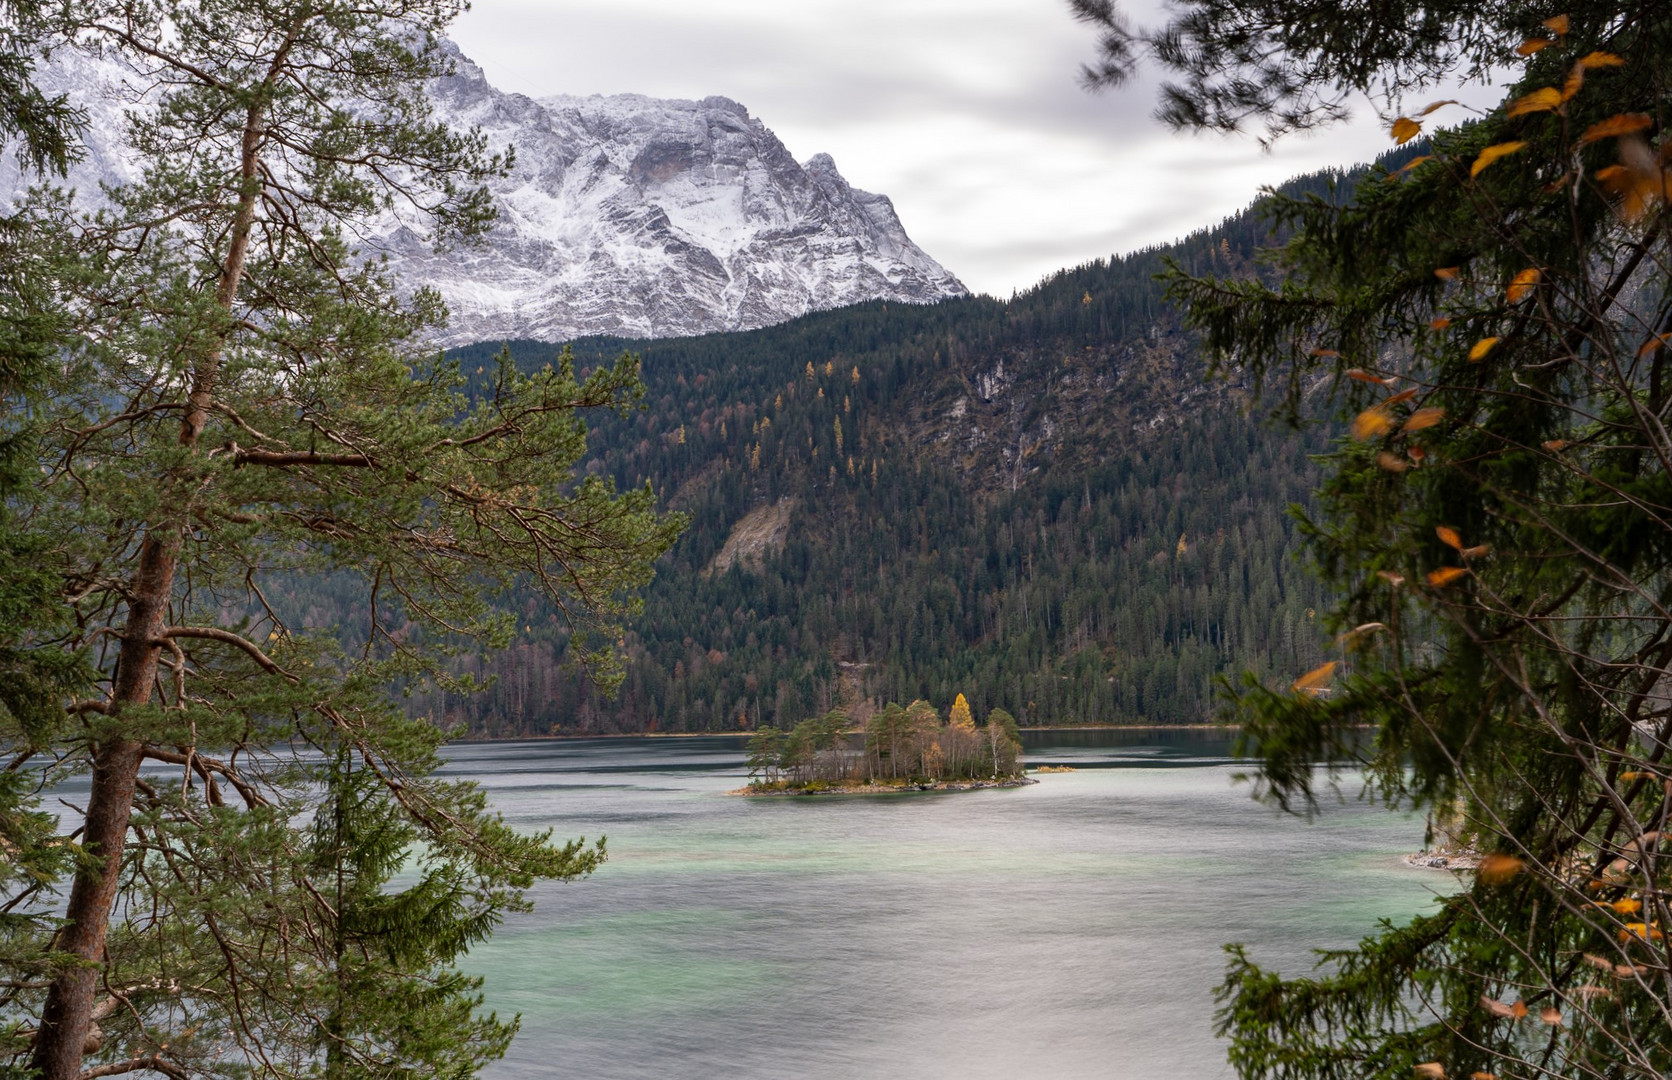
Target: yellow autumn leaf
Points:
(1557, 25)
(1495, 152)
(1413, 163)
(1446, 273)
(1555, 446)
(1550, 1015)
(1444, 576)
(1615, 126)
(1423, 418)
(1495, 869)
(1405, 129)
(1449, 537)
(1476, 552)
(1522, 285)
(1426, 109)
(1538, 101)
(1372, 422)
(1392, 463)
(1656, 342)
(1520, 1010)
(1403, 395)
(1627, 906)
(1481, 348)
(1639, 182)
(1439, 324)
(1483, 1076)
(1430, 1070)
(1593, 61)
(1533, 45)
(1316, 679)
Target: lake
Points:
(1067, 929)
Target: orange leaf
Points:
(1556, 446)
(1595, 60)
(1423, 418)
(1445, 575)
(1638, 182)
(1557, 25)
(1446, 273)
(1598, 962)
(1481, 348)
(1316, 679)
(1493, 153)
(1532, 45)
(1538, 101)
(1476, 552)
(1627, 907)
(1495, 869)
(1654, 343)
(1365, 376)
(1430, 1070)
(1403, 395)
(1615, 126)
(1413, 163)
(1372, 422)
(1522, 285)
(1591, 990)
(1426, 109)
(1391, 578)
(1325, 352)
(1416, 453)
(1439, 324)
(1405, 129)
(1551, 1015)
(1448, 536)
(1637, 775)
(1497, 1008)
(1520, 1008)
(1391, 463)
(1483, 1076)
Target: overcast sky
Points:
(967, 113)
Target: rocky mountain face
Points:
(624, 215)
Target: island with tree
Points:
(909, 748)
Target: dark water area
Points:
(1067, 929)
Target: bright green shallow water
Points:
(1069, 929)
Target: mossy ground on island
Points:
(911, 748)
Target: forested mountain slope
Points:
(1040, 503)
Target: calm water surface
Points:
(1068, 929)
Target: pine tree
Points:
(1494, 320)
(239, 400)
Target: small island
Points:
(909, 748)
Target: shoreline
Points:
(1227, 728)
(754, 792)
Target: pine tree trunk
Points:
(67, 1016)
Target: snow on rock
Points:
(624, 215)
(649, 218)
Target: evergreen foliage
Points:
(216, 395)
(1495, 322)
(1132, 548)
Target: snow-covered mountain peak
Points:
(624, 214)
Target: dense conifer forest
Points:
(1042, 502)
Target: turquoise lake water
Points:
(1068, 929)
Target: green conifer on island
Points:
(1494, 319)
(236, 399)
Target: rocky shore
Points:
(886, 789)
(1445, 859)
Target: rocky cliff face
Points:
(624, 215)
(638, 217)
